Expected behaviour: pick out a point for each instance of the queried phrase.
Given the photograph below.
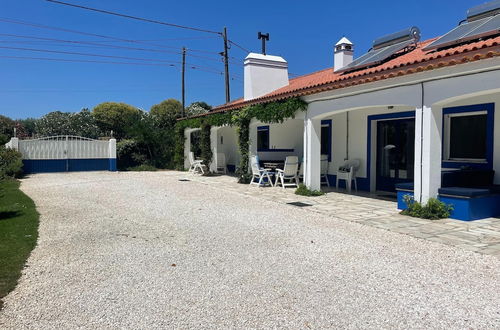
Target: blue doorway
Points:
(395, 152)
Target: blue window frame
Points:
(263, 138)
(468, 136)
(326, 138)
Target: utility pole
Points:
(226, 65)
(182, 80)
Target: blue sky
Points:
(303, 32)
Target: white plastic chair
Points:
(220, 163)
(324, 170)
(288, 173)
(347, 172)
(259, 174)
(301, 171)
(195, 164)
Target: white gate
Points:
(64, 153)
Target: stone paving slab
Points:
(482, 236)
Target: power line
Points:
(193, 67)
(86, 54)
(83, 61)
(240, 47)
(133, 17)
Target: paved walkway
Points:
(479, 236)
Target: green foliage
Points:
(67, 123)
(11, 163)
(302, 190)
(128, 154)
(197, 108)
(166, 112)
(142, 168)
(6, 129)
(434, 209)
(116, 117)
(18, 233)
(243, 132)
(205, 145)
(26, 127)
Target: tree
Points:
(84, 124)
(26, 127)
(6, 129)
(197, 108)
(116, 117)
(166, 113)
(54, 123)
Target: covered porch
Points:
(427, 140)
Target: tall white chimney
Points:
(263, 74)
(343, 54)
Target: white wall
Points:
(287, 135)
(230, 144)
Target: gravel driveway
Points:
(144, 250)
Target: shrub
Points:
(143, 168)
(128, 154)
(302, 190)
(11, 163)
(434, 209)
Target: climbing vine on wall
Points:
(274, 112)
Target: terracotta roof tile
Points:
(414, 61)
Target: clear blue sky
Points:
(303, 32)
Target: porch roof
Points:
(413, 61)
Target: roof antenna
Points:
(264, 37)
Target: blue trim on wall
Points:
(490, 122)
(65, 165)
(385, 116)
(112, 164)
(264, 128)
(328, 122)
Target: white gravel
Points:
(109, 242)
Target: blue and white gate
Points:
(65, 153)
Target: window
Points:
(262, 138)
(466, 136)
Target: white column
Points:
(187, 147)
(312, 153)
(428, 153)
(213, 147)
(112, 154)
(13, 143)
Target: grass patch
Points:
(18, 233)
(302, 190)
(142, 168)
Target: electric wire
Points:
(133, 17)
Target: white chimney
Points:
(264, 74)
(343, 54)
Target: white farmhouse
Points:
(416, 115)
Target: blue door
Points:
(395, 152)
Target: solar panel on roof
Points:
(376, 56)
(468, 31)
